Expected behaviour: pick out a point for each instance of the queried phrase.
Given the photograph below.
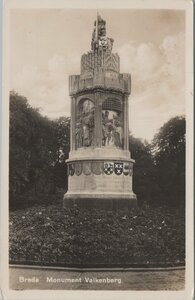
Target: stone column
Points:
(126, 123)
(73, 124)
(98, 120)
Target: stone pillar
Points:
(126, 123)
(73, 124)
(98, 120)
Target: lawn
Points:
(52, 235)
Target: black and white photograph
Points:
(98, 119)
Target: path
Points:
(101, 280)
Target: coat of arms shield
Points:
(87, 168)
(108, 168)
(126, 168)
(78, 168)
(118, 168)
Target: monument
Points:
(100, 167)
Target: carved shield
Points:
(118, 168)
(78, 168)
(97, 167)
(126, 168)
(71, 169)
(108, 168)
(87, 168)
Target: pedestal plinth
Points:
(96, 180)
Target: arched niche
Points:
(85, 122)
(112, 123)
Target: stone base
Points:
(105, 202)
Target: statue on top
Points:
(99, 39)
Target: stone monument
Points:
(100, 167)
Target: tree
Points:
(168, 148)
(144, 177)
(31, 156)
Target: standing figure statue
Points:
(85, 126)
(112, 133)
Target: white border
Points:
(186, 294)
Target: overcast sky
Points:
(46, 46)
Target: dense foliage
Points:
(53, 235)
(38, 149)
(168, 147)
(145, 183)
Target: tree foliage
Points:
(159, 171)
(168, 148)
(38, 147)
(144, 176)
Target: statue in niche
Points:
(112, 132)
(85, 125)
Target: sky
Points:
(46, 46)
